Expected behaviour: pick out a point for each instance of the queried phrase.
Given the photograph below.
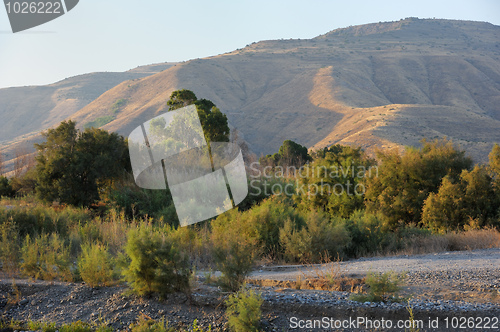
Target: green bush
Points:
(138, 202)
(41, 219)
(155, 263)
(96, 265)
(46, 257)
(369, 234)
(234, 248)
(5, 187)
(318, 237)
(41, 326)
(9, 247)
(382, 287)
(244, 311)
(149, 325)
(265, 220)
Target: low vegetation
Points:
(384, 287)
(85, 219)
(244, 311)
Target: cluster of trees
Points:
(289, 154)
(84, 167)
(435, 186)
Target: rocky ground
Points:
(450, 286)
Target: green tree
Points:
(405, 180)
(213, 121)
(494, 157)
(494, 166)
(445, 209)
(6, 187)
(73, 166)
(289, 154)
(470, 200)
(333, 182)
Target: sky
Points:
(118, 35)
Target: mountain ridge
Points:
(381, 85)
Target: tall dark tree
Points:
(72, 166)
(289, 154)
(213, 121)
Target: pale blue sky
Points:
(117, 35)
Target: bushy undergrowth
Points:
(319, 236)
(244, 310)
(234, 247)
(66, 243)
(155, 263)
(9, 247)
(383, 287)
(39, 219)
(95, 265)
(46, 257)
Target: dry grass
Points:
(454, 241)
(329, 275)
(474, 239)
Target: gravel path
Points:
(458, 262)
(442, 286)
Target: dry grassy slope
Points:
(25, 111)
(377, 85)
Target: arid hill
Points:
(25, 111)
(381, 85)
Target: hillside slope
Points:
(382, 85)
(34, 108)
(376, 85)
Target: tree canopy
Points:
(289, 154)
(405, 180)
(213, 121)
(72, 166)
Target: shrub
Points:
(6, 187)
(317, 238)
(95, 265)
(234, 247)
(244, 311)
(368, 233)
(41, 219)
(42, 326)
(156, 265)
(149, 325)
(265, 221)
(138, 202)
(46, 257)
(9, 247)
(382, 287)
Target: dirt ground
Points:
(444, 288)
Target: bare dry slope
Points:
(25, 111)
(376, 85)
